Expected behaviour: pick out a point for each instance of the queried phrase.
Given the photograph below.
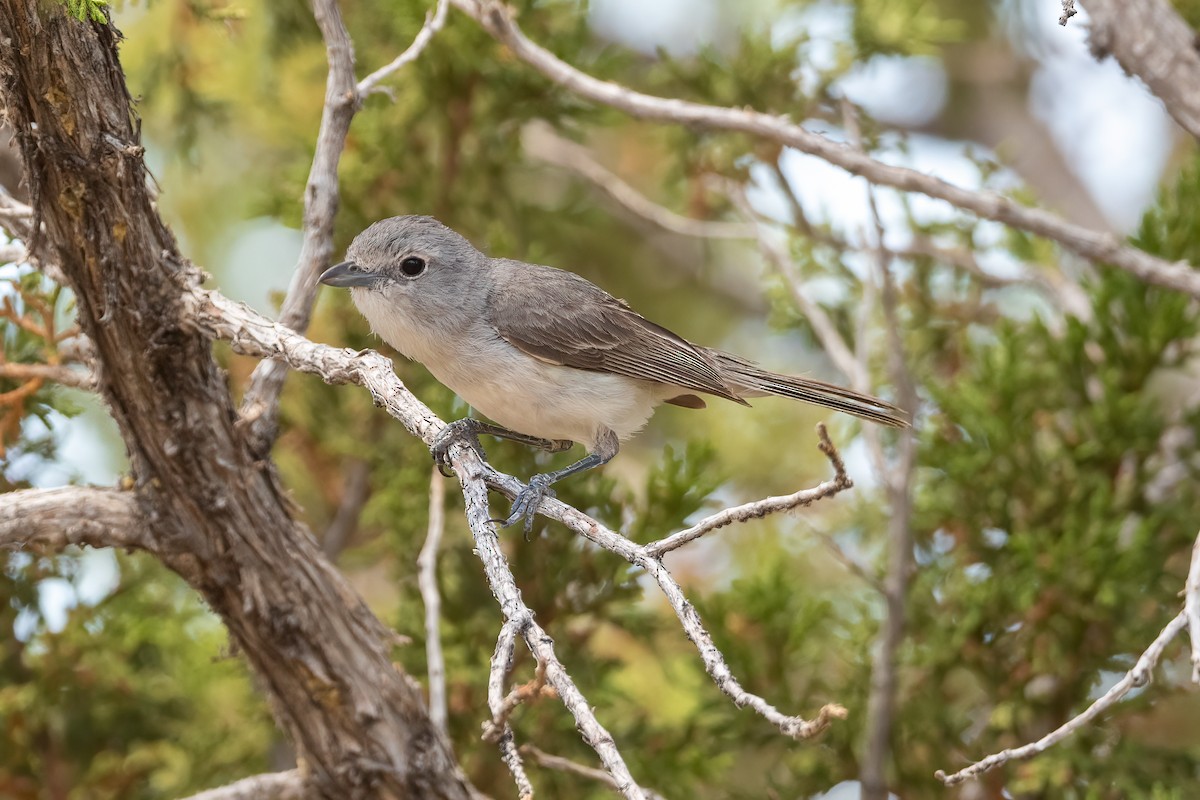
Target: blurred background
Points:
(1046, 522)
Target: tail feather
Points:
(748, 379)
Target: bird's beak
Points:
(347, 274)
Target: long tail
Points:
(748, 379)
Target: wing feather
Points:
(561, 318)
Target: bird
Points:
(546, 355)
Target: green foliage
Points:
(132, 698)
(83, 10)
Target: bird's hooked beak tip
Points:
(346, 275)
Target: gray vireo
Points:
(551, 357)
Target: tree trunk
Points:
(216, 515)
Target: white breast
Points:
(514, 389)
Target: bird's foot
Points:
(526, 503)
(465, 431)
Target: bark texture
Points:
(1150, 40)
(214, 513)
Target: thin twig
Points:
(501, 712)
(13, 253)
(501, 664)
(1191, 608)
(15, 216)
(848, 561)
(540, 142)
(544, 759)
(1064, 291)
(761, 508)
(1097, 246)
(434, 20)
(1140, 675)
(432, 598)
(260, 405)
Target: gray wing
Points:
(560, 318)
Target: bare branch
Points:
(714, 662)
(433, 23)
(260, 405)
(1059, 287)
(251, 333)
(507, 704)
(540, 142)
(1091, 244)
(1191, 608)
(288, 785)
(1140, 675)
(543, 759)
(432, 598)
(1062, 289)
(52, 519)
(55, 373)
(472, 473)
(1150, 40)
(761, 508)
(498, 725)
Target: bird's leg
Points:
(526, 503)
(468, 430)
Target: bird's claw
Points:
(525, 504)
(458, 431)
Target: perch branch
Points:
(471, 472)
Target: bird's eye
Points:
(412, 266)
